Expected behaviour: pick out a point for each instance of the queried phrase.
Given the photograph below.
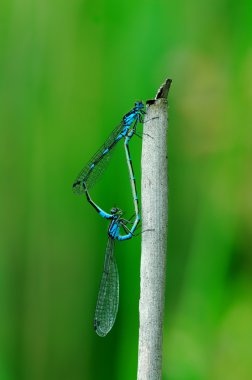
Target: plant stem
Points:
(154, 241)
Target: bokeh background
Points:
(69, 70)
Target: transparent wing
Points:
(108, 297)
(99, 160)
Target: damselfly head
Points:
(139, 105)
(115, 211)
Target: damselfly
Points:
(97, 164)
(108, 296)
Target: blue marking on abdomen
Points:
(125, 130)
(104, 214)
(119, 137)
(105, 151)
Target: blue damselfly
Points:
(97, 164)
(108, 296)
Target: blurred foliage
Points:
(69, 70)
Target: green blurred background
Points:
(69, 70)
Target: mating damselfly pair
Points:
(108, 296)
